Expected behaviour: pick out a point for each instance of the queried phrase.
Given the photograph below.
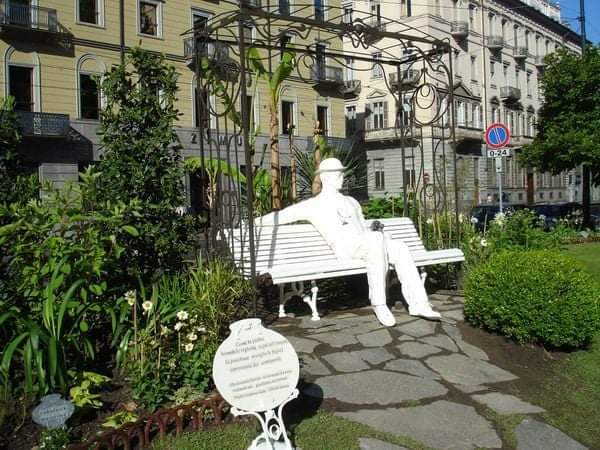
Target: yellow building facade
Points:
(53, 51)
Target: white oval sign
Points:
(255, 369)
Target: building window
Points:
(287, 117)
(529, 84)
(492, 71)
(20, 87)
(461, 113)
(405, 8)
(199, 19)
(379, 172)
(350, 120)
(517, 78)
(376, 13)
(476, 113)
(202, 109)
(248, 31)
(347, 14)
(285, 41)
(376, 70)
(472, 12)
(250, 120)
(319, 10)
(323, 125)
(284, 7)
(505, 73)
(379, 115)
(474, 69)
(410, 178)
(150, 16)
(90, 11)
(89, 97)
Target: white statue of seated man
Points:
(340, 221)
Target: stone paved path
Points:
(418, 379)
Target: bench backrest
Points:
(302, 244)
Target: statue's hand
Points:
(376, 225)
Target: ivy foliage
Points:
(569, 121)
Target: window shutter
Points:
(385, 114)
(368, 117)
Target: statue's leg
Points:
(411, 282)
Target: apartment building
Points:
(54, 52)
(497, 58)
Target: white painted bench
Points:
(298, 253)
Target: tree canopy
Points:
(569, 121)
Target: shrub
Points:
(520, 230)
(542, 297)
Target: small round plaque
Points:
(255, 369)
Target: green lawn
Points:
(571, 396)
(322, 431)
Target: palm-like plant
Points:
(274, 81)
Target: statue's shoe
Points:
(384, 315)
(424, 311)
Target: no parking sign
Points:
(497, 136)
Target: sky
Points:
(570, 13)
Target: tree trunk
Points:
(316, 184)
(275, 166)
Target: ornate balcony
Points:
(410, 77)
(375, 22)
(520, 140)
(468, 133)
(510, 93)
(351, 88)
(520, 53)
(43, 124)
(327, 74)
(459, 30)
(21, 16)
(252, 3)
(495, 42)
(210, 50)
(390, 134)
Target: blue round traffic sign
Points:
(497, 135)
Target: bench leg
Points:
(311, 301)
(423, 276)
(297, 288)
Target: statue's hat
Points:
(331, 165)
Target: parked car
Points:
(551, 213)
(482, 215)
(595, 216)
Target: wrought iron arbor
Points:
(414, 68)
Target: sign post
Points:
(497, 137)
(256, 370)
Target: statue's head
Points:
(331, 172)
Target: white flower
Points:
(483, 243)
(130, 297)
(147, 306)
(178, 326)
(192, 337)
(164, 330)
(474, 220)
(189, 347)
(201, 329)
(430, 221)
(182, 315)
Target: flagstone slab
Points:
(376, 444)
(470, 389)
(345, 362)
(440, 341)
(412, 367)
(313, 366)
(456, 314)
(374, 356)
(534, 435)
(442, 425)
(506, 404)
(471, 350)
(335, 338)
(377, 338)
(417, 350)
(460, 369)
(418, 328)
(375, 387)
(302, 345)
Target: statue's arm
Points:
(360, 214)
(293, 213)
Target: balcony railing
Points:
(391, 133)
(43, 124)
(27, 16)
(210, 50)
(465, 132)
(252, 3)
(520, 53)
(375, 22)
(351, 87)
(510, 93)
(410, 77)
(459, 30)
(327, 74)
(495, 42)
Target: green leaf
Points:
(83, 326)
(131, 230)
